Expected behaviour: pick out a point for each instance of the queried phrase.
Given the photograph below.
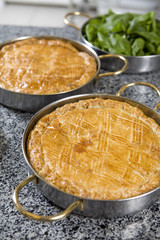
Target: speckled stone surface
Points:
(143, 225)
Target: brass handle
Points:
(75, 14)
(116, 72)
(78, 203)
(141, 83)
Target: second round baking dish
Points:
(34, 102)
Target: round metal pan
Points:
(34, 102)
(83, 206)
(136, 64)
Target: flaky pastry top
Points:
(41, 66)
(97, 149)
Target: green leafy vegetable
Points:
(128, 34)
(138, 46)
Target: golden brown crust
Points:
(41, 66)
(98, 149)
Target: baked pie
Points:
(41, 66)
(97, 149)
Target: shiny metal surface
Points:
(91, 208)
(34, 102)
(65, 213)
(124, 87)
(136, 64)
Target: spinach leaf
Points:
(150, 36)
(119, 44)
(137, 46)
(150, 48)
(118, 22)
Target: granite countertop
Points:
(142, 225)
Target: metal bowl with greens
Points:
(129, 34)
(136, 36)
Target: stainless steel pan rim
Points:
(51, 107)
(77, 45)
(34, 102)
(137, 64)
(83, 206)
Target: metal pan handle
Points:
(75, 14)
(141, 83)
(78, 203)
(116, 72)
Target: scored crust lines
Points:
(107, 150)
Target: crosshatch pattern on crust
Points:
(98, 149)
(41, 66)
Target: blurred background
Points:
(50, 13)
